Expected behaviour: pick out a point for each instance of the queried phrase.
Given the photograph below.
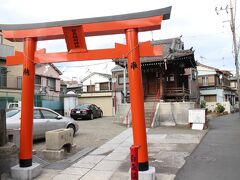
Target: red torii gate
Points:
(74, 32)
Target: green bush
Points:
(209, 111)
(203, 104)
(220, 108)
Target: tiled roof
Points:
(173, 50)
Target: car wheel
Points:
(101, 114)
(72, 127)
(91, 116)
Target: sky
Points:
(195, 20)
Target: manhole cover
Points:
(205, 158)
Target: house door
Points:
(153, 84)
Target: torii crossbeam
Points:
(74, 33)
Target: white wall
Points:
(101, 99)
(70, 102)
(176, 111)
(212, 105)
(96, 78)
(205, 71)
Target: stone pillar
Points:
(70, 102)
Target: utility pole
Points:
(235, 46)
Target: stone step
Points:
(167, 123)
(150, 99)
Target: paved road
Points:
(218, 155)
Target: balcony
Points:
(176, 92)
(207, 84)
(5, 51)
(40, 90)
(15, 83)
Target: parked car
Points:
(44, 120)
(86, 111)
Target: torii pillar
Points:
(26, 132)
(136, 97)
(74, 32)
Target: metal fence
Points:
(53, 102)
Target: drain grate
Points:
(40, 161)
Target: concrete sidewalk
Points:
(168, 148)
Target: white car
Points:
(44, 120)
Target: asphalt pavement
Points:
(218, 155)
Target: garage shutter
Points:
(210, 98)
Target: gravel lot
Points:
(92, 133)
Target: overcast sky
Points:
(196, 20)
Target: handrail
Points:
(154, 107)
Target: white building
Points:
(97, 90)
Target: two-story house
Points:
(215, 86)
(96, 82)
(47, 79)
(97, 89)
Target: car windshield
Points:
(82, 106)
(12, 113)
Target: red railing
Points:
(154, 107)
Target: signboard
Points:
(196, 116)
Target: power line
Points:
(74, 66)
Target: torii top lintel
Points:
(143, 21)
(74, 32)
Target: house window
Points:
(91, 88)
(38, 80)
(19, 82)
(3, 77)
(233, 84)
(120, 79)
(51, 83)
(205, 80)
(211, 80)
(104, 86)
(170, 78)
(210, 98)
